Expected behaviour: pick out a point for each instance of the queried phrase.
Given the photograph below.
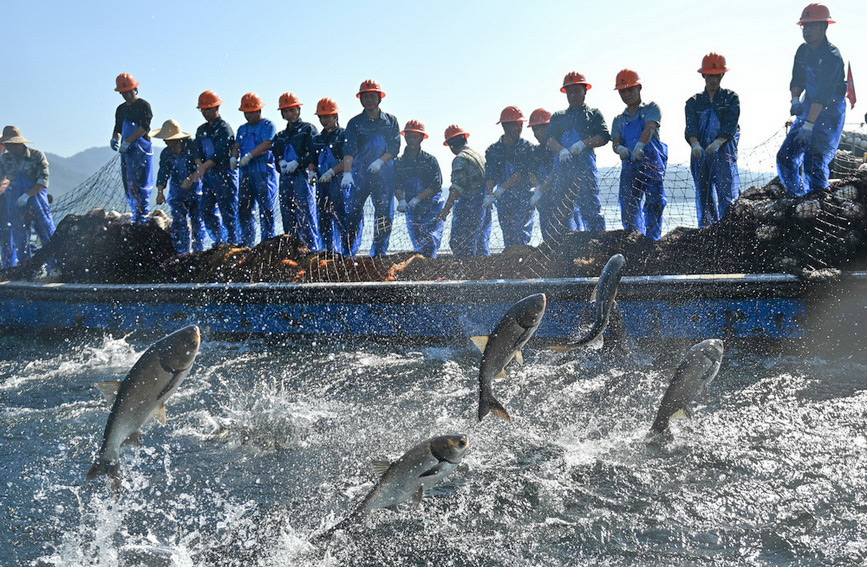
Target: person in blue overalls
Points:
(178, 171)
(332, 200)
(293, 147)
(214, 141)
(635, 137)
(258, 185)
(371, 144)
(132, 122)
(572, 136)
(507, 163)
(712, 131)
(419, 179)
(23, 198)
(813, 139)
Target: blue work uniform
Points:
(576, 182)
(471, 220)
(297, 194)
(220, 183)
(514, 212)
(15, 222)
(819, 73)
(641, 179)
(185, 204)
(717, 182)
(414, 175)
(332, 201)
(544, 161)
(136, 163)
(366, 139)
(258, 184)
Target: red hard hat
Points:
(326, 106)
(713, 64)
(209, 99)
(370, 86)
(627, 78)
(454, 131)
(125, 82)
(414, 126)
(574, 78)
(511, 114)
(815, 13)
(251, 102)
(540, 116)
(288, 100)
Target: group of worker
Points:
(218, 181)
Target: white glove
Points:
(288, 166)
(401, 206)
(327, 176)
(311, 176)
(489, 200)
(696, 150)
(714, 146)
(246, 159)
(375, 166)
(413, 203)
(347, 180)
(537, 196)
(124, 146)
(565, 155)
(22, 200)
(638, 152)
(577, 147)
(233, 162)
(623, 151)
(498, 191)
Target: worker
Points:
(132, 122)
(23, 198)
(178, 171)
(418, 178)
(372, 141)
(331, 198)
(635, 137)
(813, 139)
(258, 181)
(712, 132)
(215, 140)
(471, 225)
(572, 136)
(507, 164)
(293, 146)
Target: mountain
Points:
(68, 173)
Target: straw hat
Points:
(12, 135)
(171, 130)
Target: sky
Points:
(438, 62)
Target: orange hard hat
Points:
(540, 116)
(713, 64)
(251, 102)
(575, 78)
(454, 131)
(326, 106)
(511, 114)
(815, 13)
(414, 126)
(627, 78)
(125, 82)
(287, 100)
(370, 86)
(209, 99)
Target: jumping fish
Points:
(604, 302)
(698, 368)
(150, 382)
(505, 343)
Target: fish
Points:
(154, 377)
(503, 344)
(408, 477)
(604, 303)
(695, 372)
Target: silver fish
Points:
(604, 299)
(141, 395)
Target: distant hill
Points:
(68, 173)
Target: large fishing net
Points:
(764, 231)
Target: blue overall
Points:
(36, 213)
(573, 202)
(219, 206)
(514, 212)
(471, 226)
(642, 179)
(717, 182)
(258, 184)
(185, 205)
(137, 170)
(331, 204)
(425, 230)
(298, 203)
(380, 188)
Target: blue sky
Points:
(439, 62)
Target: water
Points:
(269, 444)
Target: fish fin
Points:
(560, 348)
(108, 389)
(380, 467)
(103, 467)
(416, 498)
(491, 405)
(161, 414)
(681, 414)
(597, 342)
(481, 342)
(519, 357)
(595, 293)
(502, 374)
(393, 508)
(133, 439)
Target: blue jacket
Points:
(647, 112)
(727, 106)
(169, 171)
(361, 129)
(299, 135)
(220, 136)
(423, 166)
(829, 84)
(588, 122)
(498, 154)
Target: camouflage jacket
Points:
(33, 164)
(468, 172)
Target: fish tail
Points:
(489, 404)
(104, 467)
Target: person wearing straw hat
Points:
(132, 121)
(332, 200)
(712, 131)
(178, 171)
